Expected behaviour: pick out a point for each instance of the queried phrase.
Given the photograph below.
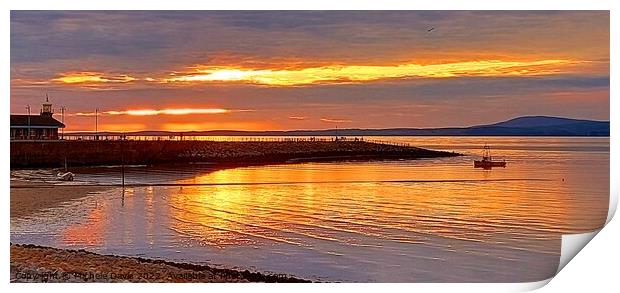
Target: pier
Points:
(90, 152)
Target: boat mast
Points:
(486, 156)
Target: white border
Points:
(313, 5)
(595, 266)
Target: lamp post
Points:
(97, 124)
(123, 161)
(62, 113)
(28, 108)
(123, 168)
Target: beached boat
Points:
(487, 161)
(67, 176)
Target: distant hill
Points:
(543, 125)
(539, 121)
(521, 126)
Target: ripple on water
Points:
(349, 222)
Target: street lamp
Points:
(97, 124)
(62, 113)
(28, 108)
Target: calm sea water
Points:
(429, 220)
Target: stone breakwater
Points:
(113, 152)
(37, 264)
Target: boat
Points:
(487, 161)
(67, 176)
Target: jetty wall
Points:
(25, 154)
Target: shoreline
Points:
(40, 264)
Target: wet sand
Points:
(37, 264)
(31, 263)
(27, 200)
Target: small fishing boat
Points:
(67, 176)
(487, 161)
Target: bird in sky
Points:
(430, 29)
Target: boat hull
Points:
(488, 164)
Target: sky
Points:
(282, 70)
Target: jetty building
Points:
(36, 127)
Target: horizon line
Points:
(336, 129)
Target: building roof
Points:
(35, 121)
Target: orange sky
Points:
(309, 70)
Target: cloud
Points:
(154, 40)
(330, 120)
(360, 73)
(549, 70)
(328, 74)
(91, 77)
(297, 117)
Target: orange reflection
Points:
(89, 233)
(261, 213)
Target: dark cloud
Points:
(39, 36)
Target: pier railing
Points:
(94, 137)
(387, 142)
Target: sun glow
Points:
(359, 73)
(330, 73)
(92, 77)
(152, 112)
(219, 125)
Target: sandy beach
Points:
(31, 263)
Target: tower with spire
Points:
(46, 109)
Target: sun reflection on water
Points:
(298, 218)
